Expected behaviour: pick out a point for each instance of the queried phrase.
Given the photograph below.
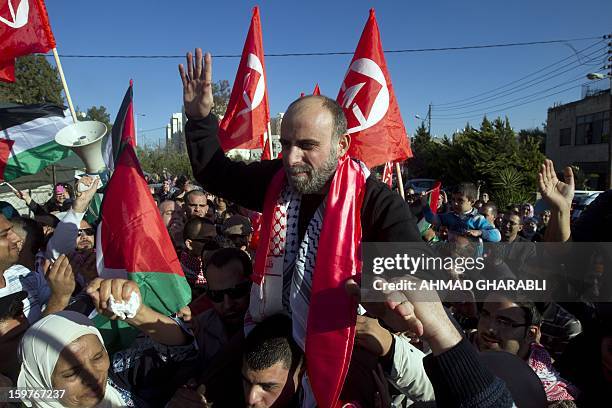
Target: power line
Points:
(514, 106)
(151, 130)
(317, 54)
(526, 97)
(518, 88)
(452, 103)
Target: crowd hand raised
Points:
(60, 277)
(100, 291)
(82, 200)
(370, 335)
(189, 397)
(197, 85)
(22, 195)
(556, 193)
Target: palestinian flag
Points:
(133, 243)
(124, 130)
(27, 138)
(423, 225)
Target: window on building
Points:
(592, 129)
(565, 137)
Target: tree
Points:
(536, 133)
(155, 161)
(507, 165)
(36, 81)
(100, 114)
(221, 96)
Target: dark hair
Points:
(270, 342)
(510, 213)
(223, 256)
(533, 316)
(194, 225)
(466, 189)
(333, 107)
(35, 234)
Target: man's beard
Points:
(315, 179)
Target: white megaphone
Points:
(85, 139)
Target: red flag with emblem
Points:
(248, 113)
(24, 29)
(387, 176)
(374, 122)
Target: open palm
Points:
(197, 85)
(555, 192)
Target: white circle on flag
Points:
(255, 64)
(357, 103)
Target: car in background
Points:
(581, 200)
(419, 185)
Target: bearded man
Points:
(318, 206)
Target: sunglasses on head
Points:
(86, 231)
(237, 292)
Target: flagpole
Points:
(65, 85)
(400, 182)
(270, 141)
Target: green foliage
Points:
(36, 81)
(155, 161)
(221, 96)
(537, 134)
(507, 165)
(100, 114)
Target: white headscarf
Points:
(41, 346)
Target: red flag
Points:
(377, 131)
(5, 152)
(435, 197)
(248, 112)
(387, 176)
(316, 91)
(24, 29)
(133, 239)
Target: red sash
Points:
(330, 331)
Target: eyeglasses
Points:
(501, 322)
(237, 292)
(86, 231)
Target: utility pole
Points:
(429, 120)
(609, 66)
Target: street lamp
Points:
(136, 126)
(596, 76)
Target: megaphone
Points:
(85, 139)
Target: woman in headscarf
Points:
(64, 351)
(527, 211)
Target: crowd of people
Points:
(271, 252)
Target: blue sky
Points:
(149, 27)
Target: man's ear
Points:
(189, 244)
(533, 333)
(343, 144)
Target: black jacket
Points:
(385, 217)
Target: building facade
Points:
(578, 133)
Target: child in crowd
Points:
(464, 219)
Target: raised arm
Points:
(558, 195)
(236, 181)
